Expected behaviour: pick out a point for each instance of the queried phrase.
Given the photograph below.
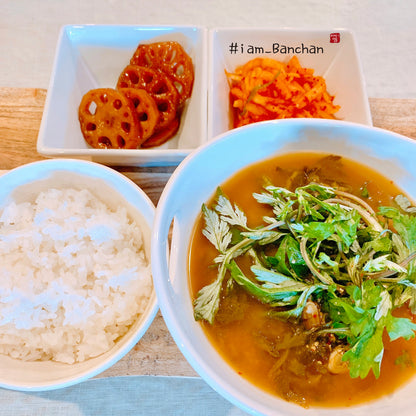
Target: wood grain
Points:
(156, 353)
(395, 115)
(21, 113)
(20, 116)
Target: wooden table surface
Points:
(156, 353)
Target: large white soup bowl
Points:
(195, 181)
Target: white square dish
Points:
(332, 54)
(93, 56)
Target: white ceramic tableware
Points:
(93, 56)
(331, 53)
(195, 181)
(111, 187)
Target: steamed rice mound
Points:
(74, 276)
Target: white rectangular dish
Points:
(93, 56)
(331, 53)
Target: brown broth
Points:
(238, 332)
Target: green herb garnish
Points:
(320, 243)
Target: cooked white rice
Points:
(73, 276)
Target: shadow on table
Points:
(129, 395)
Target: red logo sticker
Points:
(334, 37)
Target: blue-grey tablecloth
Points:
(127, 395)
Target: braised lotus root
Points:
(158, 85)
(171, 58)
(146, 108)
(109, 120)
(162, 136)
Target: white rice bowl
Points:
(76, 291)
